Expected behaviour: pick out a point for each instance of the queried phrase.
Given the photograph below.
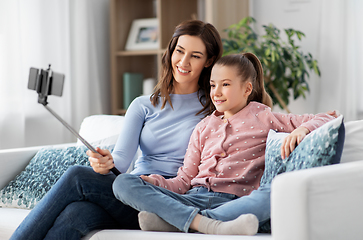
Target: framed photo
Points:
(143, 35)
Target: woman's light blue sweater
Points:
(162, 134)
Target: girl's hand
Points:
(148, 179)
(102, 161)
(292, 140)
(333, 113)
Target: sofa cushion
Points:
(42, 172)
(321, 147)
(10, 218)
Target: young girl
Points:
(225, 156)
(161, 124)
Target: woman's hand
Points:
(292, 140)
(102, 161)
(148, 179)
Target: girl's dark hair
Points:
(250, 69)
(213, 43)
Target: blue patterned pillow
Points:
(321, 147)
(42, 172)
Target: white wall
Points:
(302, 15)
(73, 36)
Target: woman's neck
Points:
(185, 89)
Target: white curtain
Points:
(72, 36)
(341, 57)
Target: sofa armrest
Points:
(13, 161)
(318, 203)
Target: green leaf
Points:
(283, 61)
(273, 56)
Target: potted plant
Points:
(286, 67)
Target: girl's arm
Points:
(291, 141)
(289, 122)
(299, 126)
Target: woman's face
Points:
(188, 60)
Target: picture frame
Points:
(144, 34)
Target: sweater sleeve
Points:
(289, 122)
(181, 183)
(129, 138)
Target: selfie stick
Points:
(42, 98)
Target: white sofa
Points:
(319, 203)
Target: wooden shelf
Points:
(141, 52)
(148, 62)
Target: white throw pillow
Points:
(101, 129)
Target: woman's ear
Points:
(209, 62)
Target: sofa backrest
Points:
(353, 145)
(104, 130)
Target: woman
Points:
(82, 200)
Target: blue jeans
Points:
(177, 209)
(81, 201)
(257, 203)
(180, 209)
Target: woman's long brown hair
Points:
(213, 43)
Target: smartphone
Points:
(46, 82)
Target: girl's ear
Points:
(209, 62)
(249, 89)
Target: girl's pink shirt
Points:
(228, 155)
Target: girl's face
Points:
(188, 60)
(229, 94)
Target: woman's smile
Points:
(188, 61)
(181, 70)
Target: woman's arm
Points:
(126, 145)
(129, 138)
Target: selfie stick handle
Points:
(90, 147)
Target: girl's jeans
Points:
(81, 201)
(180, 209)
(257, 203)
